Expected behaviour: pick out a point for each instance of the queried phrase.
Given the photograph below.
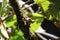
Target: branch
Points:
(20, 21)
(42, 31)
(50, 35)
(29, 6)
(41, 36)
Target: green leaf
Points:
(44, 3)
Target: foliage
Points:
(18, 35)
(43, 3)
(4, 8)
(51, 9)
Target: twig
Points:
(41, 36)
(42, 31)
(29, 5)
(50, 35)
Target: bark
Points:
(20, 22)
